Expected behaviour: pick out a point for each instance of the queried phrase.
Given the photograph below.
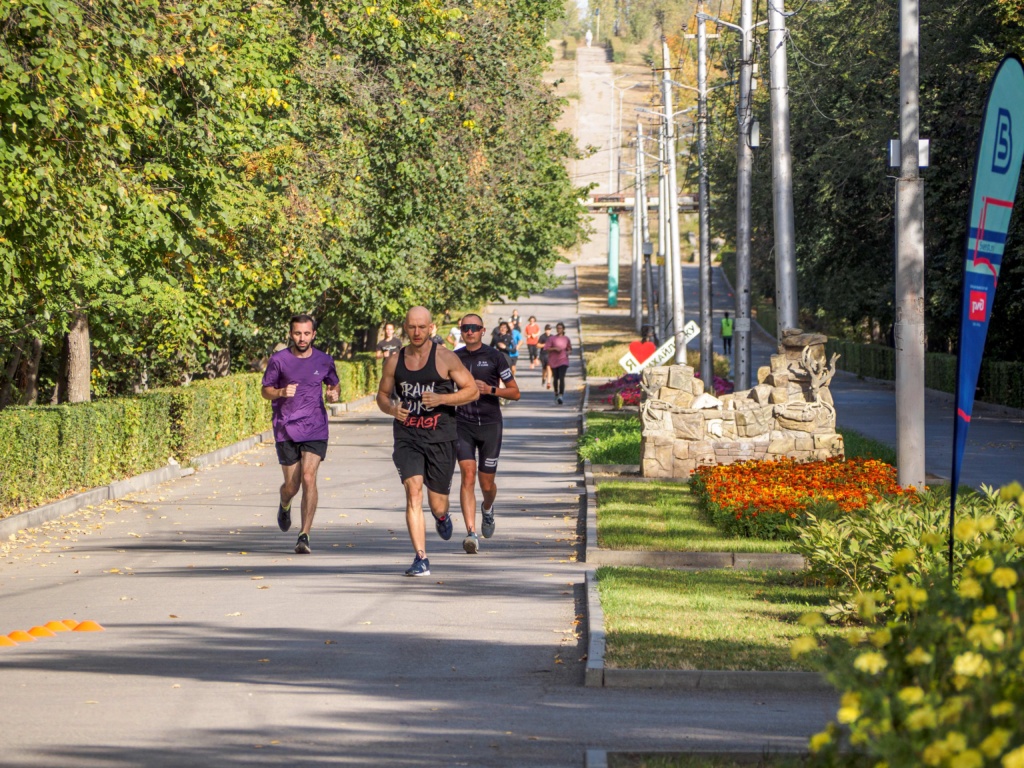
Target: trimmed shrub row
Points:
(998, 383)
(49, 452)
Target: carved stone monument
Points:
(788, 414)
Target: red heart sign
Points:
(642, 350)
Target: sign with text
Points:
(996, 172)
(643, 354)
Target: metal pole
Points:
(782, 173)
(744, 173)
(665, 283)
(675, 260)
(910, 445)
(613, 259)
(636, 301)
(645, 219)
(707, 338)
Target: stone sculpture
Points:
(789, 413)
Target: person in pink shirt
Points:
(558, 348)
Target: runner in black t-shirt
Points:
(480, 426)
(422, 377)
(389, 345)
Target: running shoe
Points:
(559, 400)
(420, 567)
(471, 544)
(444, 526)
(487, 527)
(302, 545)
(284, 517)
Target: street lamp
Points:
(612, 186)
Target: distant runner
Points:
(293, 382)
(532, 331)
(727, 326)
(558, 348)
(389, 344)
(480, 428)
(422, 376)
(542, 353)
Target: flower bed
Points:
(759, 498)
(628, 388)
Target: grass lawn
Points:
(611, 438)
(858, 446)
(682, 760)
(663, 517)
(713, 619)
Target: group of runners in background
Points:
(446, 406)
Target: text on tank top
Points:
(432, 425)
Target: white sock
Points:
(487, 511)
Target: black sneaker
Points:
(444, 526)
(284, 517)
(420, 567)
(302, 545)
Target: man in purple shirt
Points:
(293, 382)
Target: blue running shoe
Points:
(444, 526)
(420, 567)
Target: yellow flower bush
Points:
(940, 683)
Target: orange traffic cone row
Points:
(69, 623)
(42, 632)
(6, 642)
(88, 626)
(57, 626)
(21, 636)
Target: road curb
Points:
(594, 674)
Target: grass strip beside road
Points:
(611, 438)
(663, 517)
(713, 619)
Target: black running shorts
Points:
(434, 462)
(484, 439)
(289, 452)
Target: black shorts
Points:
(533, 351)
(289, 452)
(434, 462)
(485, 438)
(543, 357)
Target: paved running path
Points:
(223, 648)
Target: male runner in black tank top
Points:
(417, 388)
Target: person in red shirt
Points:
(532, 331)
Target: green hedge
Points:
(49, 452)
(617, 46)
(998, 383)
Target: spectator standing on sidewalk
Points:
(480, 428)
(727, 326)
(294, 382)
(418, 389)
(558, 348)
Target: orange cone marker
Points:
(88, 626)
(69, 623)
(41, 632)
(21, 636)
(57, 626)
(6, 642)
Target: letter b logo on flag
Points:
(977, 308)
(1002, 153)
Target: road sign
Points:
(644, 355)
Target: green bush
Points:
(856, 555)
(611, 438)
(618, 49)
(941, 682)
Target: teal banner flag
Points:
(996, 172)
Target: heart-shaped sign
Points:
(642, 350)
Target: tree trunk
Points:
(79, 359)
(219, 364)
(60, 390)
(31, 373)
(12, 369)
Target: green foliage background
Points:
(189, 174)
(844, 87)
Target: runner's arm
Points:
(507, 386)
(467, 392)
(387, 387)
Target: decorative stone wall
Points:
(789, 413)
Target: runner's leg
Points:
(310, 465)
(291, 484)
(467, 494)
(414, 514)
(488, 488)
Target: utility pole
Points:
(707, 338)
(645, 220)
(782, 173)
(663, 250)
(636, 301)
(910, 445)
(675, 262)
(744, 175)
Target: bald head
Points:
(417, 326)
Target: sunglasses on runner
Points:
(471, 328)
